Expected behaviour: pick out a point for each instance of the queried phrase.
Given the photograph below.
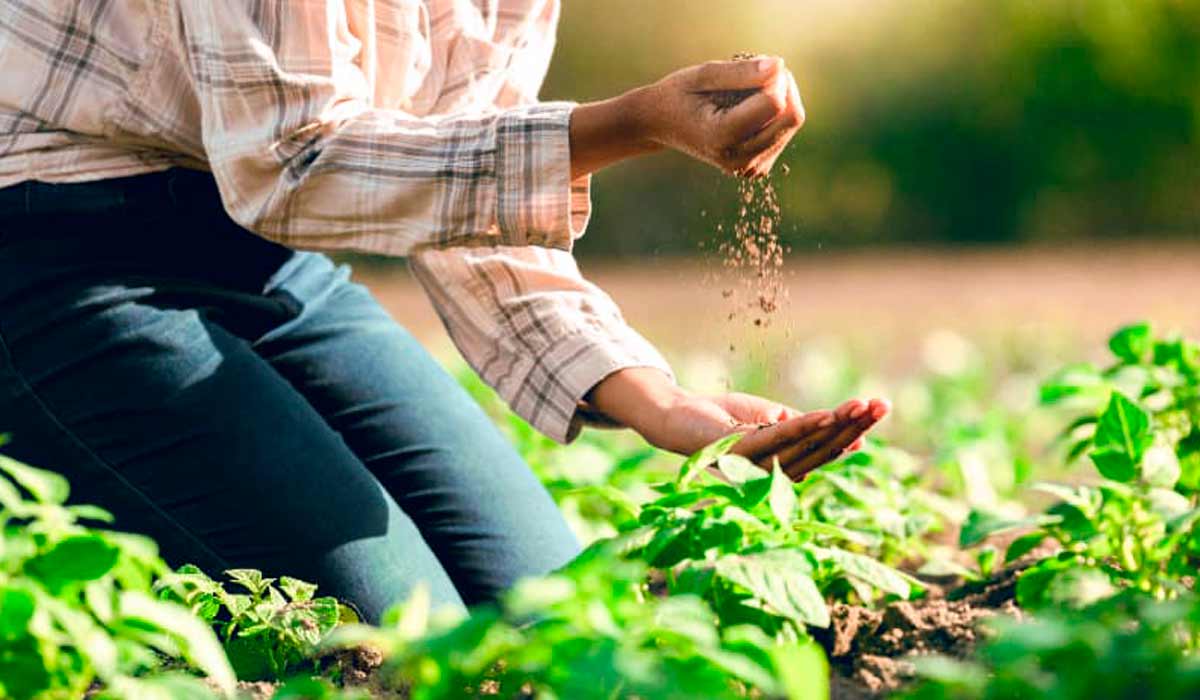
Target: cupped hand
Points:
(674, 419)
(800, 442)
(745, 139)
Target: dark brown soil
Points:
(870, 651)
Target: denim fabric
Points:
(247, 405)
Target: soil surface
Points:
(871, 651)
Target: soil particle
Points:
(871, 651)
(752, 254)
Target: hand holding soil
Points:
(736, 115)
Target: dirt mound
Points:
(870, 651)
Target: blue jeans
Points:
(247, 405)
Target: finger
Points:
(765, 147)
(847, 416)
(880, 408)
(766, 441)
(795, 103)
(754, 114)
(835, 447)
(793, 440)
(770, 142)
(718, 76)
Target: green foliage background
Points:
(947, 121)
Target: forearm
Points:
(604, 133)
(636, 397)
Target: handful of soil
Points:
(728, 99)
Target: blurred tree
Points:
(946, 121)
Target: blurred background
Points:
(942, 121)
(983, 192)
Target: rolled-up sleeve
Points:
(533, 328)
(302, 157)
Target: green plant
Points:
(76, 606)
(876, 493)
(270, 630)
(589, 631)
(737, 542)
(1138, 527)
(1123, 647)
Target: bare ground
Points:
(889, 297)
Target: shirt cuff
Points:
(537, 201)
(592, 360)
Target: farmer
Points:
(165, 343)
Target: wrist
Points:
(639, 398)
(639, 111)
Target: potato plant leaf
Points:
(982, 524)
(1133, 344)
(1121, 439)
(782, 497)
(780, 578)
(77, 558)
(44, 486)
(697, 463)
(1024, 545)
(194, 637)
(870, 571)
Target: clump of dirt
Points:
(870, 651)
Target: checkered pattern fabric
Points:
(399, 127)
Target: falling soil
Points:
(753, 255)
(750, 251)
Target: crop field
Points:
(1025, 525)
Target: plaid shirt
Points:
(401, 127)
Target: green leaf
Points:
(297, 591)
(16, 610)
(1071, 381)
(89, 512)
(1078, 587)
(1033, 586)
(802, 670)
(1070, 520)
(982, 524)
(1115, 464)
(76, 558)
(44, 486)
(1189, 460)
(250, 579)
(1024, 545)
(1124, 428)
(170, 686)
(870, 571)
(194, 637)
(740, 470)
(533, 595)
(91, 640)
(781, 579)
(783, 497)
(23, 671)
(1133, 344)
(863, 539)
(697, 463)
